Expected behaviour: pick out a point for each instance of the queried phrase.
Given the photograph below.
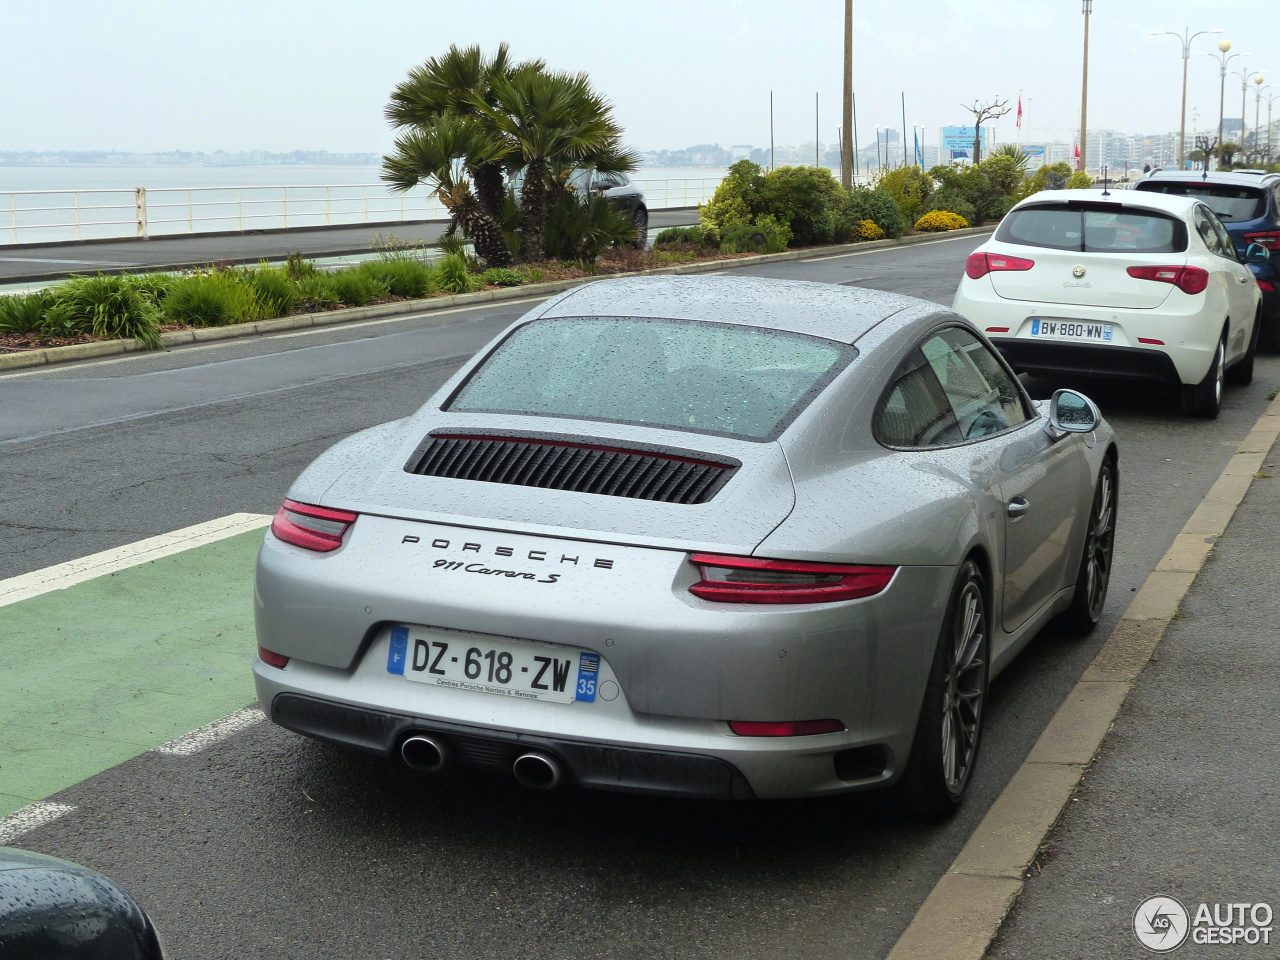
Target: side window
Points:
(983, 396)
(1224, 238)
(916, 412)
(1207, 233)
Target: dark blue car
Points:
(1248, 204)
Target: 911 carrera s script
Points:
(480, 568)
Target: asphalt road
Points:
(269, 845)
(42, 262)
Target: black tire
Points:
(1241, 373)
(640, 217)
(1094, 573)
(950, 727)
(1204, 399)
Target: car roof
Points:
(1252, 178)
(820, 309)
(1148, 200)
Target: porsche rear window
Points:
(691, 375)
(1227, 201)
(1106, 228)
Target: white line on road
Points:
(29, 817)
(68, 574)
(211, 733)
(91, 263)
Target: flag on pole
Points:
(1019, 121)
(1075, 152)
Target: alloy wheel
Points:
(1101, 540)
(965, 686)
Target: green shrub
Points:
(502, 277)
(766, 236)
(317, 290)
(1079, 181)
(394, 249)
(212, 299)
(736, 202)
(936, 221)
(277, 295)
(910, 188)
(452, 275)
(402, 277)
(298, 268)
(582, 229)
(154, 286)
(874, 204)
(805, 199)
(355, 287)
(109, 307)
(534, 274)
(23, 313)
(690, 235)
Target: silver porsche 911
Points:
(702, 537)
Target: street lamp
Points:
(1257, 107)
(1243, 74)
(1185, 39)
(1223, 59)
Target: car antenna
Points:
(1105, 191)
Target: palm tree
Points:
(1015, 153)
(452, 82)
(445, 155)
(550, 124)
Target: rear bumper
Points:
(1054, 358)
(590, 765)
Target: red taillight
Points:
(784, 728)
(1269, 239)
(1187, 279)
(315, 528)
(272, 659)
(997, 329)
(980, 264)
(1266, 286)
(753, 580)
(1156, 343)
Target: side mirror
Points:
(1256, 253)
(1071, 412)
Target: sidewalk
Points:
(39, 262)
(1184, 798)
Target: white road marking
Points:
(211, 733)
(68, 574)
(29, 817)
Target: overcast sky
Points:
(149, 75)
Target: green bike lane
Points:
(114, 655)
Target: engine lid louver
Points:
(582, 466)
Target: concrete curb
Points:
(89, 351)
(963, 913)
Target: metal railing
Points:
(72, 215)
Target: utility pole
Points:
(1084, 86)
(846, 132)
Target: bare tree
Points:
(982, 112)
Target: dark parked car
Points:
(618, 189)
(1248, 204)
(50, 908)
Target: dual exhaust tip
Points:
(534, 769)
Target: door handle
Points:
(1017, 507)
(1245, 279)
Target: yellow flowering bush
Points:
(866, 230)
(936, 221)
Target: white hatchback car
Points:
(1136, 286)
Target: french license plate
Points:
(1071, 330)
(497, 665)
